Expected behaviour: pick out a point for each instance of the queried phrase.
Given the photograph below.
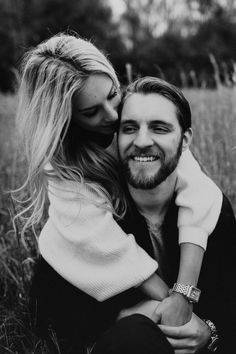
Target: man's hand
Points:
(174, 310)
(189, 338)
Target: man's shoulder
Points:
(226, 221)
(227, 207)
(221, 244)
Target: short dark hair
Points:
(149, 84)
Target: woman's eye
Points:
(91, 113)
(113, 94)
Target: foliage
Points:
(174, 38)
(25, 23)
(179, 47)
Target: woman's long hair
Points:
(51, 74)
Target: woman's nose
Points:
(110, 112)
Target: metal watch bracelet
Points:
(191, 292)
(213, 342)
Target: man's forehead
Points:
(151, 106)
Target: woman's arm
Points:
(85, 245)
(199, 201)
(155, 288)
(191, 257)
(176, 310)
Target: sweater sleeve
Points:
(85, 245)
(199, 201)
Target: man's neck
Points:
(153, 203)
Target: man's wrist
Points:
(212, 344)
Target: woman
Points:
(67, 118)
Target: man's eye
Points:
(160, 130)
(128, 130)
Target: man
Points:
(126, 323)
(151, 139)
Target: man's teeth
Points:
(144, 159)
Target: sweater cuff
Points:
(134, 280)
(193, 235)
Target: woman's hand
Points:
(189, 338)
(174, 310)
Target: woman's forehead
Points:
(95, 90)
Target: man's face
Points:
(150, 139)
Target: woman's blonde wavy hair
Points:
(51, 74)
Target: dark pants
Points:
(70, 319)
(135, 334)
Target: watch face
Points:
(194, 294)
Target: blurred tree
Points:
(27, 22)
(169, 38)
(175, 39)
(8, 39)
(88, 18)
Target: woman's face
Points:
(95, 106)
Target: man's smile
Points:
(145, 158)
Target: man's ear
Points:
(187, 139)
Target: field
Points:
(214, 144)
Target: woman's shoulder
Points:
(72, 189)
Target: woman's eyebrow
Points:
(95, 106)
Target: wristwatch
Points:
(191, 293)
(213, 342)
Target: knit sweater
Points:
(84, 244)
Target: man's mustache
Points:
(143, 152)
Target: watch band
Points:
(213, 342)
(181, 288)
(191, 293)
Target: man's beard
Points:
(150, 182)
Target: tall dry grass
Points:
(16, 334)
(214, 124)
(214, 141)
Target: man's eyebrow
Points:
(152, 122)
(128, 121)
(95, 106)
(158, 121)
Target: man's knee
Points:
(133, 334)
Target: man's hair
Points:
(150, 84)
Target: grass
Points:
(16, 335)
(214, 142)
(214, 117)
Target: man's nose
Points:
(111, 114)
(143, 139)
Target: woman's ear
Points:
(187, 139)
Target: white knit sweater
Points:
(85, 245)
